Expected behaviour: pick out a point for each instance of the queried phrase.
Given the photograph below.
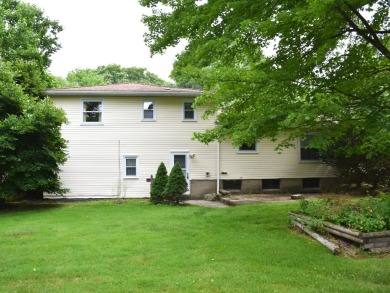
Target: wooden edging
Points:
(332, 247)
(373, 241)
(376, 234)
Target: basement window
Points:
(271, 184)
(231, 184)
(311, 183)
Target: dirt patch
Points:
(206, 203)
(235, 199)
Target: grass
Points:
(137, 247)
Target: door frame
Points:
(186, 154)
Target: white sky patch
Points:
(101, 33)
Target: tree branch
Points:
(369, 34)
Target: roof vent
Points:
(167, 89)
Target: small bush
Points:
(176, 186)
(158, 185)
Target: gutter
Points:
(120, 93)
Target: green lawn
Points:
(137, 247)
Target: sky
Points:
(101, 32)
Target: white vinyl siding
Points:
(268, 163)
(95, 166)
(124, 133)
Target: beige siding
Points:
(94, 167)
(268, 163)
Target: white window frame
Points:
(183, 110)
(255, 151)
(125, 158)
(101, 100)
(300, 149)
(143, 113)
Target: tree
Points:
(28, 39)
(158, 185)
(176, 185)
(284, 69)
(111, 74)
(85, 77)
(31, 147)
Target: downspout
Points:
(218, 163)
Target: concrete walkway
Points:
(259, 198)
(206, 203)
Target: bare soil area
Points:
(236, 199)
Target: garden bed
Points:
(364, 223)
(371, 241)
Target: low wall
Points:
(254, 186)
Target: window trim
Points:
(183, 110)
(124, 167)
(101, 100)
(255, 151)
(143, 110)
(300, 151)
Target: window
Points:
(307, 153)
(231, 184)
(92, 111)
(310, 183)
(148, 110)
(248, 148)
(271, 184)
(130, 166)
(188, 112)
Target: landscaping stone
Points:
(224, 192)
(297, 196)
(212, 197)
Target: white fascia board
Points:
(119, 93)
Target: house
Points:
(118, 135)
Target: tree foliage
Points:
(31, 147)
(285, 68)
(329, 70)
(27, 40)
(176, 185)
(158, 185)
(110, 74)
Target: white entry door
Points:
(182, 159)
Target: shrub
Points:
(158, 185)
(369, 214)
(176, 185)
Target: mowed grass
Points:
(137, 247)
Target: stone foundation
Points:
(254, 186)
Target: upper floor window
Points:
(308, 153)
(148, 110)
(92, 111)
(188, 110)
(248, 148)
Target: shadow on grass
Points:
(27, 206)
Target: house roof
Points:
(124, 89)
